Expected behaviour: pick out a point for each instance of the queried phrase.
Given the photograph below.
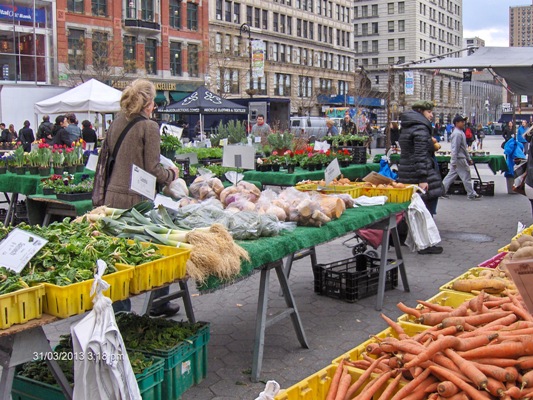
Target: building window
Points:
(99, 8)
(76, 49)
(175, 14)
(299, 27)
(259, 84)
(192, 16)
(282, 23)
(390, 60)
(218, 8)
(275, 22)
(192, 60)
(374, 10)
(305, 86)
(391, 26)
(236, 46)
(375, 28)
(147, 10)
(343, 87)
(364, 11)
(401, 44)
(249, 15)
(325, 85)
(289, 25)
(236, 13)
(282, 85)
(264, 20)
(257, 18)
(75, 6)
(130, 54)
(175, 59)
(150, 56)
(391, 44)
(390, 8)
(401, 59)
(228, 80)
(100, 51)
(401, 25)
(374, 46)
(375, 62)
(227, 11)
(364, 29)
(365, 47)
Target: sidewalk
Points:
(471, 231)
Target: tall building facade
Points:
(521, 26)
(117, 41)
(305, 50)
(395, 32)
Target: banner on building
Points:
(258, 58)
(409, 82)
(26, 14)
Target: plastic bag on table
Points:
(251, 225)
(102, 369)
(177, 189)
(198, 215)
(242, 189)
(384, 169)
(268, 203)
(206, 185)
(423, 231)
(374, 236)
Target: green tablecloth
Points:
(496, 162)
(27, 184)
(265, 250)
(282, 178)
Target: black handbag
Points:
(520, 174)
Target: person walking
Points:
(141, 146)
(460, 160)
(480, 135)
(45, 130)
(26, 136)
(520, 135)
(418, 164)
(332, 129)
(8, 135)
(261, 129)
(508, 132)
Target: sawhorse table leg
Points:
(10, 216)
(150, 301)
(262, 307)
(298, 256)
(22, 347)
(389, 227)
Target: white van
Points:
(309, 126)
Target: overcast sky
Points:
(489, 20)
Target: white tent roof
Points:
(91, 96)
(514, 64)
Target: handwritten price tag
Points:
(332, 171)
(18, 248)
(142, 182)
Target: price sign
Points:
(91, 162)
(257, 139)
(142, 182)
(522, 273)
(224, 142)
(332, 171)
(18, 248)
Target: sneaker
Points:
(445, 196)
(167, 309)
(475, 197)
(432, 250)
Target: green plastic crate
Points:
(150, 383)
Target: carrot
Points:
(500, 362)
(433, 318)
(518, 325)
(495, 387)
(389, 390)
(395, 326)
(518, 304)
(362, 379)
(477, 319)
(527, 380)
(525, 362)
(344, 384)
(513, 374)
(406, 346)
(519, 311)
(435, 307)
(438, 345)
(492, 371)
(509, 349)
(382, 365)
(415, 383)
(459, 396)
(476, 304)
(361, 364)
(335, 382)
(432, 388)
(514, 392)
(472, 392)
(373, 348)
(449, 331)
(419, 393)
(409, 310)
(468, 368)
(368, 393)
(517, 332)
(497, 303)
(447, 389)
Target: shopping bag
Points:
(102, 369)
(423, 231)
(520, 174)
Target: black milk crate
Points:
(484, 188)
(359, 155)
(352, 279)
(457, 187)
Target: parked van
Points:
(309, 126)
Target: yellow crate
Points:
(158, 272)
(448, 298)
(65, 301)
(353, 190)
(316, 386)
(356, 353)
(526, 231)
(471, 273)
(395, 195)
(21, 306)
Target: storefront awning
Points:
(160, 99)
(177, 96)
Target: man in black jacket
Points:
(45, 130)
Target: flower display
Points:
(44, 153)
(57, 156)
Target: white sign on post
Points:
(332, 171)
(522, 273)
(257, 139)
(224, 142)
(142, 182)
(18, 248)
(91, 162)
(239, 157)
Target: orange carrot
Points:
(514, 392)
(391, 345)
(472, 392)
(332, 392)
(438, 345)
(382, 364)
(450, 330)
(477, 319)
(395, 326)
(519, 311)
(432, 388)
(518, 325)
(526, 315)
(527, 380)
(447, 389)
(411, 385)
(497, 303)
(459, 396)
(525, 362)
(509, 349)
(373, 348)
(362, 379)
(389, 390)
(361, 364)
(495, 387)
(513, 374)
(491, 371)
(408, 310)
(368, 393)
(500, 362)
(468, 368)
(419, 393)
(344, 384)
(435, 307)
(433, 318)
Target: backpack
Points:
(468, 133)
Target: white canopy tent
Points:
(91, 96)
(514, 64)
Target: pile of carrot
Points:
(481, 350)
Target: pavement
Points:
(471, 231)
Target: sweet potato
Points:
(491, 286)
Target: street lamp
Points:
(246, 29)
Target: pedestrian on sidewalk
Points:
(460, 160)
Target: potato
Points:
(526, 244)
(523, 253)
(524, 238)
(515, 245)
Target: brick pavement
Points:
(332, 326)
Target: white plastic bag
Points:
(271, 390)
(102, 369)
(423, 231)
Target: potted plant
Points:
(57, 159)
(290, 161)
(49, 184)
(70, 159)
(78, 148)
(76, 192)
(345, 157)
(32, 162)
(275, 160)
(44, 153)
(3, 164)
(19, 160)
(169, 145)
